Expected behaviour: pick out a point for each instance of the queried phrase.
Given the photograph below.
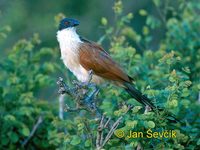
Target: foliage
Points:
(25, 71)
(168, 73)
(3, 32)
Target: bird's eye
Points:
(66, 23)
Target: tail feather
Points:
(135, 93)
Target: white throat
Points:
(68, 34)
(68, 38)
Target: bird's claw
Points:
(83, 84)
(80, 84)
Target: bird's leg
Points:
(90, 92)
(90, 101)
(86, 83)
(93, 91)
(90, 76)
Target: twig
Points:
(113, 128)
(147, 109)
(61, 106)
(99, 133)
(35, 127)
(139, 147)
(90, 135)
(106, 124)
(100, 141)
(162, 16)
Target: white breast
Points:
(69, 44)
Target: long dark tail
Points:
(138, 95)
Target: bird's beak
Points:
(76, 23)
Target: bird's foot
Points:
(85, 84)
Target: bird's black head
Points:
(67, 23)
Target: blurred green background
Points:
(157, 42)
(27, 17)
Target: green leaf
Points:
(136, 109)
(145, 30)
(142, 12)
(104, 21)
(13, 137)
(10, 118)
(185, 92)
(4, 140)
(151, 124)
(131, 124)
(87, 143)
(156, 2)
(80, 126)
(25, 131)
(75, 140)
(198, 142)
(172, 103)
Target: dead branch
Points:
(61, 106)
(83, 94)
(35, 127)
(100, 140)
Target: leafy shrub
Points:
(24, 73)
(168, 73)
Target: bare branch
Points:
(139, 147)
(100, 141)
(61, 106)
(84, 94)
(147, 109)
(35, 127)
(113, 128)
(106, 124)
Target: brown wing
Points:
(93, 57)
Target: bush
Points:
(168, 73)
(25, 72)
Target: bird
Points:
(81, 56)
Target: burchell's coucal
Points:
(81, 56)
